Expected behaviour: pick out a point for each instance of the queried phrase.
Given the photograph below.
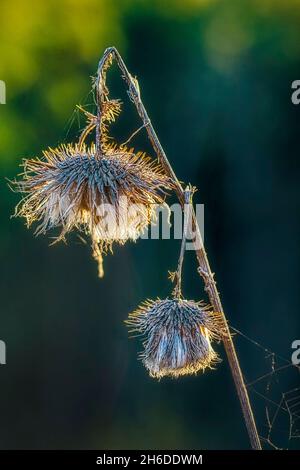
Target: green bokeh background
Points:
(215, 77)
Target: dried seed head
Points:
(177, 336)
(111, 198)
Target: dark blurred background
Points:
(216, 80)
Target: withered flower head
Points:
(177, 336)
(110, 197)
(104, 189)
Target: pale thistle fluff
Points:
(111, 197)
(177, 336)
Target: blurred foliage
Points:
(215, 77)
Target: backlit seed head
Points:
(111, 197)
(177, 336)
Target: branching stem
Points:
(204, 266)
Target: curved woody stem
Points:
(204, 268)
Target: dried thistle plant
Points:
(104, 190)
(64, 189)
(176, 332)
(177, 336)
(202, 259)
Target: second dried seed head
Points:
(177, 336)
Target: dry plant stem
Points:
(101, 93)
(204, 266)
(187, 213)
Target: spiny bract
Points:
(177, 336)
(111, 197)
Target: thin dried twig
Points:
(188, 195)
